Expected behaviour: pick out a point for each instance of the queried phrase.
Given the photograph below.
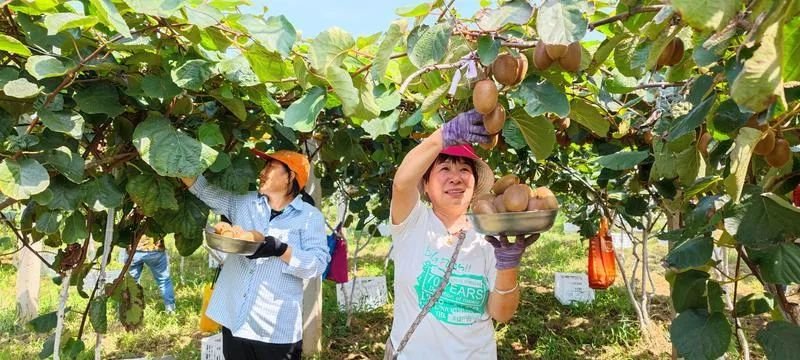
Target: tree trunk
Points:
(101, 278)
(29, 276)
(312, 289)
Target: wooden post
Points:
(312, 289)
(29, 277)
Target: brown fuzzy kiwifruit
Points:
(515, 198)
(221, 226)
(484, 96)
(677, 52)
(237, 229)
(493, 140)
(666, 55)
(522, 68)
(648, 137)
(562, 123)
(246, 235)
(779, 155)
(562, 138)
(504, 69)
(484, 207)
(702, 143)
(494, 121)
(499, 204)
(542, 199)
(571, 61)
(541, 60)
(766, 144)
(228, 233)
(752, 122)
(484, 196)
(501, 185)
(555, 51)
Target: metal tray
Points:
(514, 223)
(230, 245)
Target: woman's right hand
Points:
(465, 128)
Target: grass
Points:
(541, 329)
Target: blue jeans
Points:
(158, 262)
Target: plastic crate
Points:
(211, 348)
(573, 287)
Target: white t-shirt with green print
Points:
(458, 326)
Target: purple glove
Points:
(465, 128)
(508, 254)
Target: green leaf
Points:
(234, 104)
(237, 177)
(66, 195)
(21, 179)
(692, 120)
(538, 132)
(488, 48)
(434, 99)
(540, 96)
(754, 304)
(152, 193)
(706, 14)
(58, 22)
(385, 49)
(192, 74)
(260, 96)
(619, 83)
(776, 339)
(100, 98)
(169, 152)
(160, 87)
(791, 50)
(44, 323)
(631, 56)
(779, 264)
(66, 162)
(302, 114)
(72, 348)
(728, 118)
(202, 15)
(8, 74)
(329, 48)
(691, 253)
(101, 193)
(210, 134)
(414, 10)
(279, 35)
(766, 217)
(431, 46)
(97, 314)
(109, 15)
(47, 347)
(698, 335)
(130, 299)
(65, 122)
(714, 292)
(382, 126)
(238, 70)
(760, 83)
(740, 161)
(514, 12)
(192, 212)
(47, 222)
(14, 46)
(187, 245)
(43, 66)
(160, 8)
(561, 21)
(267, 65)
(588, 116)
(74, 228)
(21, 89)
(343, 87)
(623, 160)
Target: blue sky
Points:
(358, 17)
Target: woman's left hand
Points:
(509, 254)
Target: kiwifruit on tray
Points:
(230, 245)
(514, 223)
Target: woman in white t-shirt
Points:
(482, 284)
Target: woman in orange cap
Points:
(434, 243)
(258, 299)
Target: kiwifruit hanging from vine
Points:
(541, 60)
(779, 155)
(571, 61)
(522, 68)
(648, 137)
(702, 143)
(562, 123)
(484, 96)
(555, 51)
(504, 69)
(677, 52)
(562, 139)
(493, 140)
(672, 53)
(766, 144)
(494, 121)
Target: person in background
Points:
(258, 299)
(151, 252)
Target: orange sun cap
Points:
(296, 162)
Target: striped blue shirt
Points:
(262, 299)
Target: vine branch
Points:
(624, 16)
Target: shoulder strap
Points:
(435, 297)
